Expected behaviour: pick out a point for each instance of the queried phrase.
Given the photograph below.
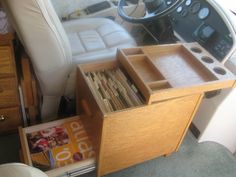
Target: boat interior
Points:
(108, 85)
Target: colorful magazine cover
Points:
(60, 145)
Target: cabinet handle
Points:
(86, 107)
(2, 118)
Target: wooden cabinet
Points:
(171, 80)
(139, 106)
(10, 116)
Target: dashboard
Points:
(203, 21)
(197, 20)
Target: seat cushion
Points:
(95, 39)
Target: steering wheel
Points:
(153, 9)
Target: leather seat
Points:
(20, 170)
(93, 39)
(56, 48)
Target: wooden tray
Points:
(167, 71)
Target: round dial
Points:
(203, 13)
(188, 2)
(169, 2)
(179, 9)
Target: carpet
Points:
(193, 159)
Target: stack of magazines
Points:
(114, 89)
(59, 145)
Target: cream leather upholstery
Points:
(20, 170)
(93, 39)
(95, 36)
(55, 48)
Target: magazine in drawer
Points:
(59, 148)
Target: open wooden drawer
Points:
(169, 82)
(68, 160)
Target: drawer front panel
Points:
(8, 93)
(145, 133)
(6, 62)
(87, 104)
(9, 119)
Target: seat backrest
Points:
(44, 39)
(20, 170)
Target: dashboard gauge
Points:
(203, 13)
(179, 9)
(169, 2)
(188, 2)
(195, 7)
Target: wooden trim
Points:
(24, 147)
(48, 124)
(190, 119)
(29, 89)
(6, 39)
(100, 158)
